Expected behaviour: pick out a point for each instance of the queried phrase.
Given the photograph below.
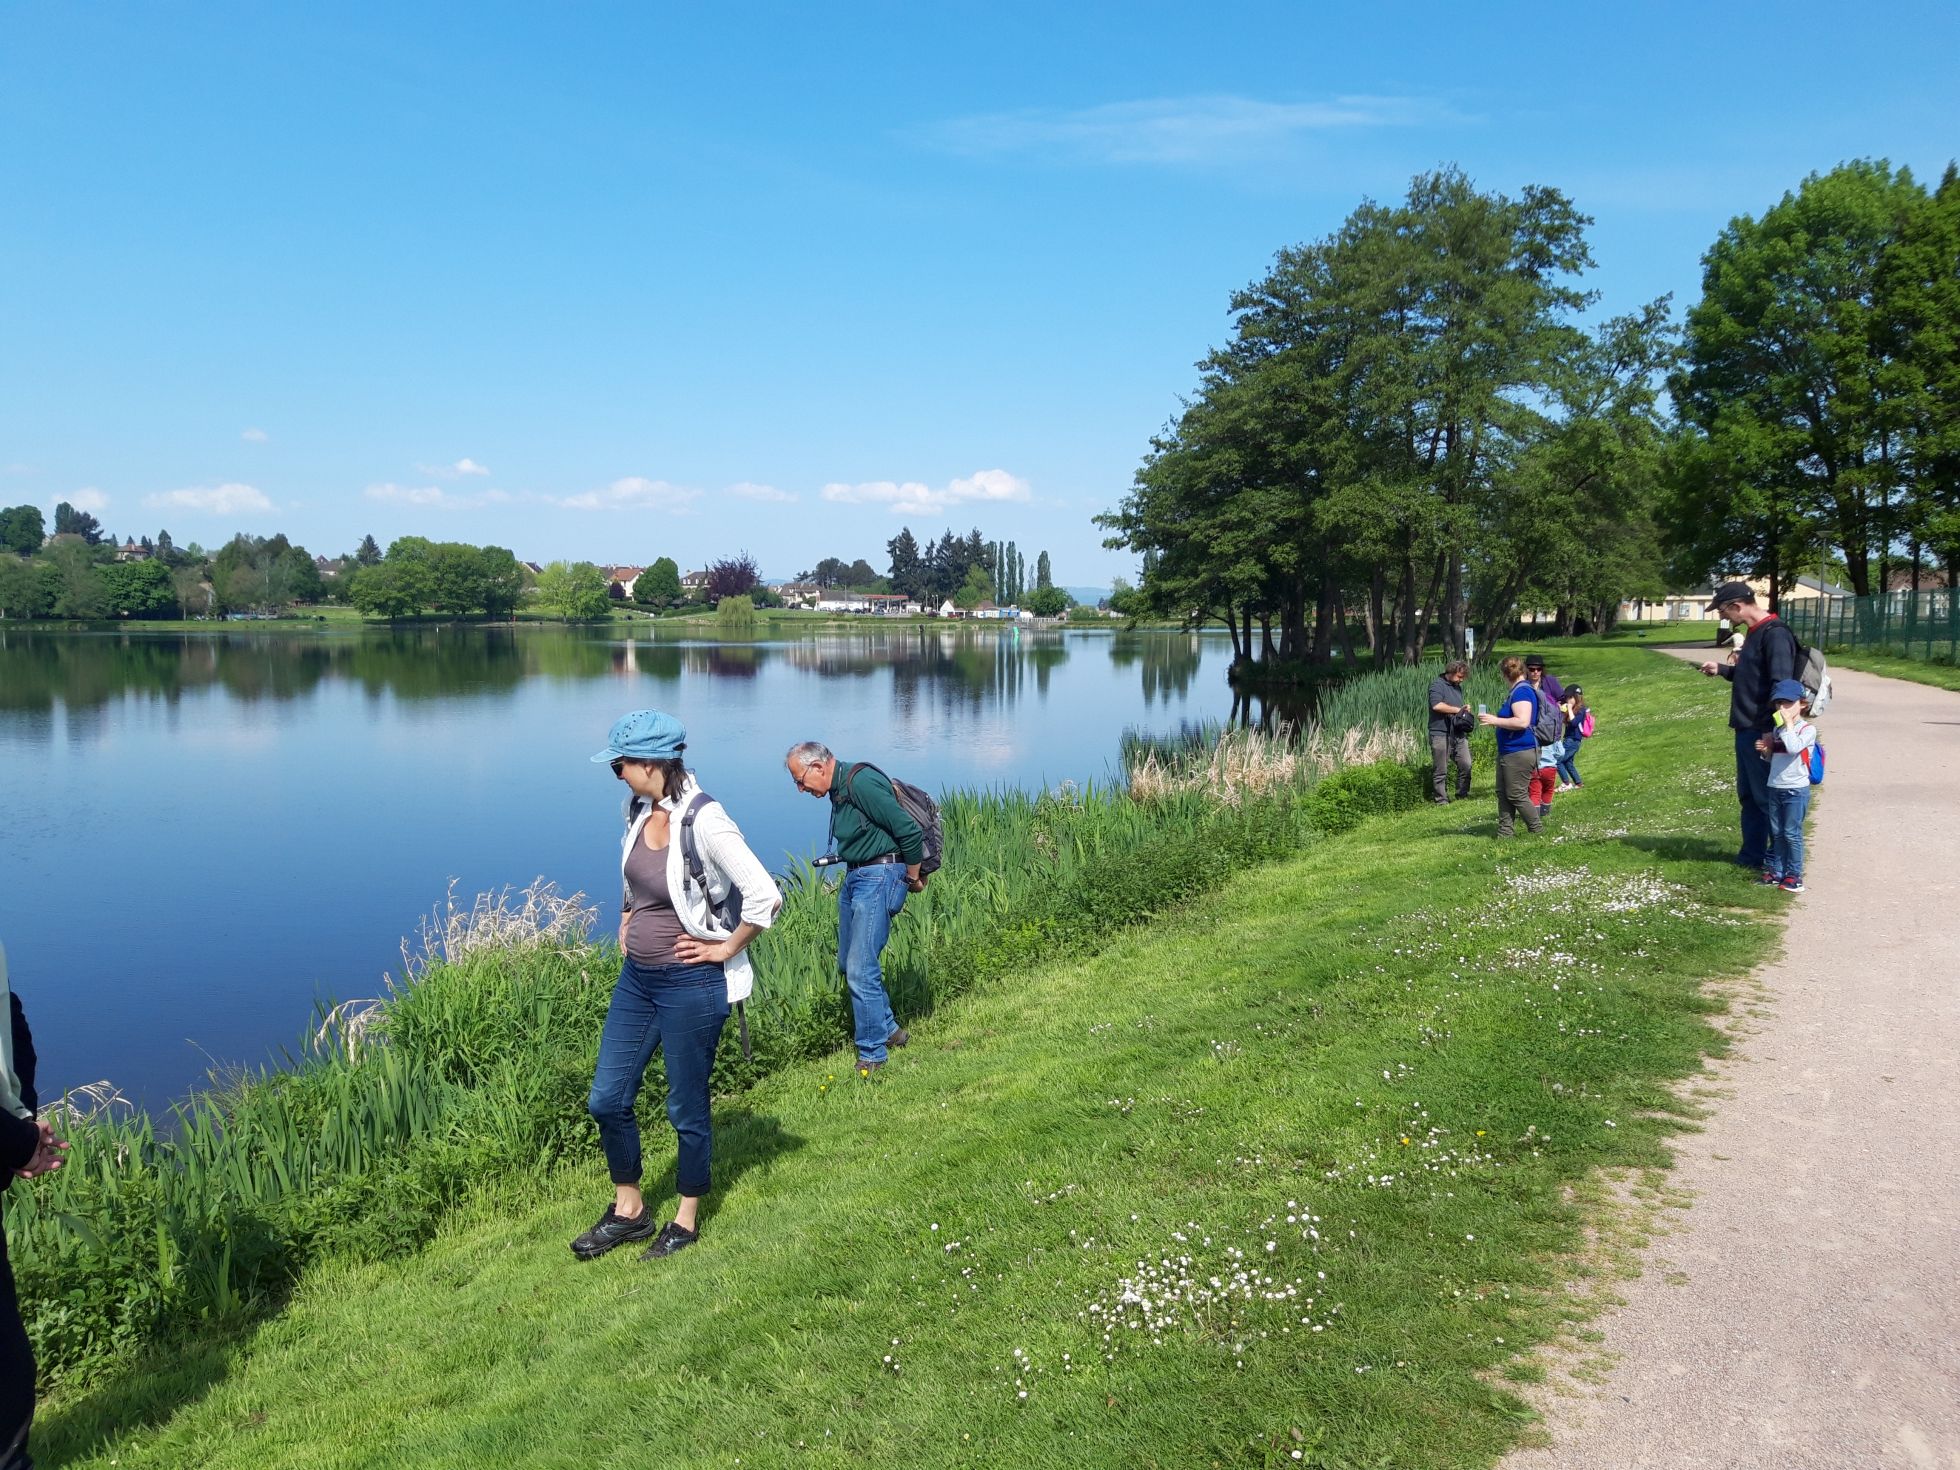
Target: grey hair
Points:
(808, 753)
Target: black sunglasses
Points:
(619, 767)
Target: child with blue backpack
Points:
(1790, 747)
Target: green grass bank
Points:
(1294, 1175)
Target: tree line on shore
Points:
(80, 573)
(1412, 432)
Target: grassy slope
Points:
(1512, 1012)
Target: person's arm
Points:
(725, 849)
(1518, 719)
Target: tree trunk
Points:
(1453, 609)
(1377, 629)
(1268, 653)
(1341, 623)
(1323, 620)
(1419, 625)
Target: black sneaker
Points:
(672, 1238)
(612, 1230)
(898, 1037)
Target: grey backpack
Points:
(1550, 726)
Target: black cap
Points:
(1731, 592)
(1536, 661)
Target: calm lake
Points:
(207, 834)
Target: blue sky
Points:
(615, 282)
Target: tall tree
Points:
(1792, 379)
(660, 584)
(368, 553)
(906, 565)
(1043, 576)
(71, 522)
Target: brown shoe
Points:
(898, 1037)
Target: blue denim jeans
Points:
(868, 901)
(1787, 808)
(1568, 761)
(680, 1009)
(1752, 790)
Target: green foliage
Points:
(1048, 602)
(575, 591)
(659, 586)
(1818, 390)
(139, 589)
(21, 529)
(1403, 399)
(71, 522)
(1347, 798)
(735, 612)
(976, 589)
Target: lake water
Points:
(203, 835)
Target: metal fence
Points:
(1911, 625)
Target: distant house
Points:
(620, 582)
(843, 602)
(695, 582)
(894, 603)
(947, 609)
(329, 566)
(989, 610)
(799, 594)
(132, 551)
(532, 567)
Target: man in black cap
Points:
(1769, 654)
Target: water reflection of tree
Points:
(1169, 665)
(964, 672)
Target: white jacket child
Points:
(1789, 752)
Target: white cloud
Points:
(436, 496)
(632, 493)
(913, 498)
(747, 490)
(255, 436)
(1177, 130)
(217, 499)
(89, 499)
(463, 468)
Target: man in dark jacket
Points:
(28, 1147)
(1769, 654)
(882, 845)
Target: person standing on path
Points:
(1787, 749)
(1769, 655)
(1450, 724)
(882, 845)
(689, 912)
(1517, 750)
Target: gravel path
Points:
(1818, 1323)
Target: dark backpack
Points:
(728, 913)
(1549, 728)
(920, 807)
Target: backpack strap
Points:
(697, 873)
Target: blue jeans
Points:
(1787, 809)
(1752, 790)
(1568, 761)
(680, 1009)
(868, 901)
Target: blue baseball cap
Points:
(644, 735)
(1788, 689)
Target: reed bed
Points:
(476, 1062)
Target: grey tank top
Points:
(653, 926)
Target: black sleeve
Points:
(23, 1055)
(1779, 659)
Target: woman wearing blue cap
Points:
(689, 912)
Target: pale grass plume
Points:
(1243, 764)
(508, 918)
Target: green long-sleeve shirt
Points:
(866, 819)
